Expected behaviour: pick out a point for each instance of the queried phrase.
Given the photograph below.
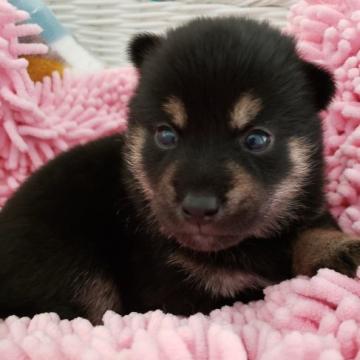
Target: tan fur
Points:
(216, 281)
(166, 185)
(278, 207)
(135, 144)
(175, 108)
(245, 110)
(318, 246)
(283, 200)
(97, 295)
(244, 187)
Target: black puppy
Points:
(215, 191)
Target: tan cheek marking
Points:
(165, 184)
(245, 110)
(175, 108)
(284, 198)
(244, 187)
(166, 195)
(97, 294)
(133, 156)
(300, 157)
(314, 245)
(215, 280)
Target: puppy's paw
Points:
(343, 258)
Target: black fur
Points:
(83, 214)
(322, 83)
(142, 46)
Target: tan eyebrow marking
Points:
(245, 110)
(175, 108)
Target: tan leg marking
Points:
(97, 294)
(315, 248)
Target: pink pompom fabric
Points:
(300, 319)
(39, 120)
(328, 33)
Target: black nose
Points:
(200, 207)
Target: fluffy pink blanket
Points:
(315, 318)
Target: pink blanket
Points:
(328, 32)
(315, 318)
(299, 319)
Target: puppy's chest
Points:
(182, 287)
(216, 281)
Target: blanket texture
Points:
(39, 120)
(328, 33)
(303, 318)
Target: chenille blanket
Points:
(317, 318)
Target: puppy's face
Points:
(224, 142)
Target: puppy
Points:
(214, 192)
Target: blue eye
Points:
(166, 137)
(257, 140)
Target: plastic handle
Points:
(43, 16)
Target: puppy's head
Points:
(224, 141)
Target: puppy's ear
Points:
(322, 83)
(141, 46)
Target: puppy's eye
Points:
(166, 137)
(257, 140)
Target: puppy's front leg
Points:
(325, 246)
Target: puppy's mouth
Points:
(207, 242)
(205, 239)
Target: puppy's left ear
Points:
(322, 83)
(141, 46)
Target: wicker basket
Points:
(105, 26)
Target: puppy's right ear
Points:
(141, 46)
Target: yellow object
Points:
(40, 67)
